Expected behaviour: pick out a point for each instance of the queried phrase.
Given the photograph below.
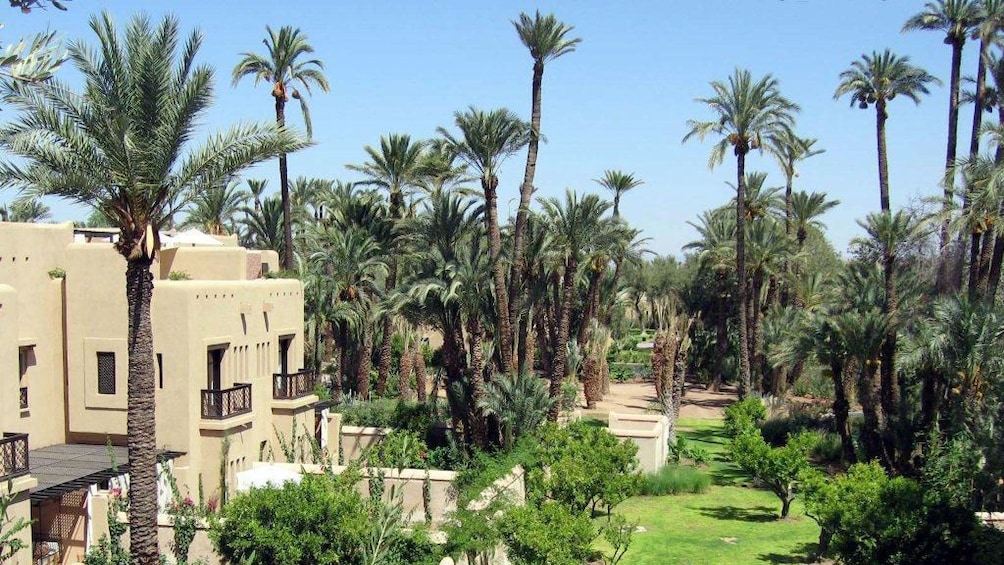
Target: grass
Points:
(674, 479)
(729, 523)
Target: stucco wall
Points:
(205, 263)
(356, 440)
(27, 253)
(649, 432)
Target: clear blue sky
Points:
(620, 102)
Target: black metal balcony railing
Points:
(24, 397)
(293, 386)
(13, 456)
(226, 403)
(45, 551)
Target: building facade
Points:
(229, 349)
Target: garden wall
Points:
(355, 440)
(649, 432)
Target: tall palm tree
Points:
(877, 79)
(618, 182)
(577, 225)
(256, 189)
(547, 38)
(395, 167)
(748, 113)
(956, 19)
(263, 227)
(283, 67)
(122, 146)
(215, 208)
(486, 140)
(806, 208)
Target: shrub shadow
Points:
(740, 514)
(801, 554)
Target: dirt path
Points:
(639, 398)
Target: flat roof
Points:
(67, 467)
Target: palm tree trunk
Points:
(564, 316)
(338, 358)
(383, 364)
(504, 334)
(841, 409)
(949, 276)
(476, 376)
(975, 254)
(524, 349)
(364, 362)
(421, 381)
(592, 302)
(540, 332)
(721, 333)
(868, 393)
(140, 418)
(526, 192)
(287, 211)
(890, 386)
(789, 205)
(883, 156)
(986, 257)
(744, 354)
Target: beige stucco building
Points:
(229, 352)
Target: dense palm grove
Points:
(902, 336)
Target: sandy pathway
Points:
(639, 398)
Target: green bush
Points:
(683, 450)
(551, 534)
(867, 517)
(743, 415)
(674, 479)
(777, 429)
(322, 519)
(585, 466)
(400, 449)
(827, 449)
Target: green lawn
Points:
(730, 523)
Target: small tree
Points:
(776, 467)
(9, 530)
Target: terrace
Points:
(293, 385)
(226, 403)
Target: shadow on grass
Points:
(728, 476)
(739, 514)
(801, 554)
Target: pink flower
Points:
(212, 504)
(189, 501)
(115, 492)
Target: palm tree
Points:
(577, 225)
(256, 188)
(487, 140)
(214, 209)
(122, 147)
(877, 79)
(618, 182)
(748, 113)
(263, 227)
(519, 402)
(956, 19)
(546, 38)
(25, 210)
(284, 66)
(396, 167)
(716, 253)
(806, 208)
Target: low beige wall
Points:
(992, 519)
(355, 440)
(649, 432)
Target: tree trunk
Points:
(517, 280)
(404, 370)
(883, 156)
(744, 355)
(421, 381)
(337, 361)
(721, 332)
(841, 409)
(975, 257)
(564, 315)
(789, 206)
(949, 277)
(591, 306)
(786, 503)
(287, 210)
(524, 348)
(476, 376)
(140, 417)
(504, 333)
(890, 385)
(868, 393)
(986, 254)
(383, 364)
(364, 362)
(541, 334)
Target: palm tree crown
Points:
(956, 18)
(487, 138)
(880, 77)
(545, 36)
(618, 182)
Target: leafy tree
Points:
(748, 113)
(776, 467)
(122, 146)
(551, 534)
(10, 543)
(282, 67)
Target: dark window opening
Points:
(214, 368)
(106, 372)
(160, 370)
(284, 343)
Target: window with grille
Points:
(106, 372)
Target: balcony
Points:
(24, 398)
(294, 385)
(226, 403)
(13, 456)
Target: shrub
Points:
(777, 429)
(674, 479)
(827, 449)
(778, 468)
(179, 276)
(57, 273)
(743, 415)
(550, 534)
(683, 450)
(867, 517)
(400, 449)
(585, 465)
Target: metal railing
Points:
(226, 403)
(13, 456)
(293, 385)
(24, 397)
